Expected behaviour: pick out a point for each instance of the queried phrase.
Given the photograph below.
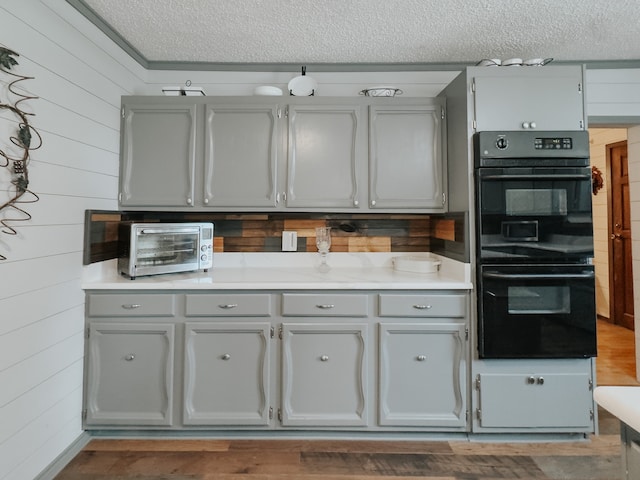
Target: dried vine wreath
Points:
(17, 163)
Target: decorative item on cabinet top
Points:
(263, 232)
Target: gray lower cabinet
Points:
(422, 360)
(324, 374)
(549, 395)
(226, 373)
(406, 168)
(422, 375)
(130, 374)
(272, 360)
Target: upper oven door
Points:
(537, 311)
(534, 214)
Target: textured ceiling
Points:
(373, 31)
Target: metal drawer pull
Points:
(226, 356)
(325, 306)
(131, 306)
(421, 358)
(324, 358)
(422, 307)
(228, 306)
(130, 357)
(540, 380)
(531, 380)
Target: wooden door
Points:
(620, 264)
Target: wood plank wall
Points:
(263, 232)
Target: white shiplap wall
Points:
(79, 78)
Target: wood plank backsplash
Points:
(263, 232)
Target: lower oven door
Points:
(536, 311)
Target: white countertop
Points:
(287, 271)
(623, 402)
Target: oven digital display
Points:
(553, 143)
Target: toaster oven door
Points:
(166, 250)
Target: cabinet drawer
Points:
(124, 305)
(325, 305)
(422, 305)
(232, 305)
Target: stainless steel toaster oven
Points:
(157, 248)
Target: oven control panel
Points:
(553, 143)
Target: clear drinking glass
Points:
(323, 242)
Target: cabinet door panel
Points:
(130, 374)
(240, 156)
(324, 376)
(158, 155)
(325, 154)
(422, 375)
(226, 374)
(405, 163)
(514, 400)
(553, 102)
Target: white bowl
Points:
(512, 62)
(267, 90)
(490, 62)
(533, 62)
(425, 263)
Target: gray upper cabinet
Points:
(274, 154)
(406, 168)
(158, 154)
(325, 156)
(241, 155)
(529, 98)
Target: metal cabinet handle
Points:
(422, 307)
(531, 380)
(540, 380)
(324, 358)
(228, 306)
(130, 357)
(131, 306)
(226, 356)
(189, 201)
(206, 201)
(373, 203)
(325, 306)
(421, 358)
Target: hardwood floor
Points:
(597, 458)
(616, 362)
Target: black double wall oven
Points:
(536, 281)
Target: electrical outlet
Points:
(289, 241)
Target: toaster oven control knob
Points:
(203, 257)
(502, 143)
(203, 248)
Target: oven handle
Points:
(537, 276)
(549, 176)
